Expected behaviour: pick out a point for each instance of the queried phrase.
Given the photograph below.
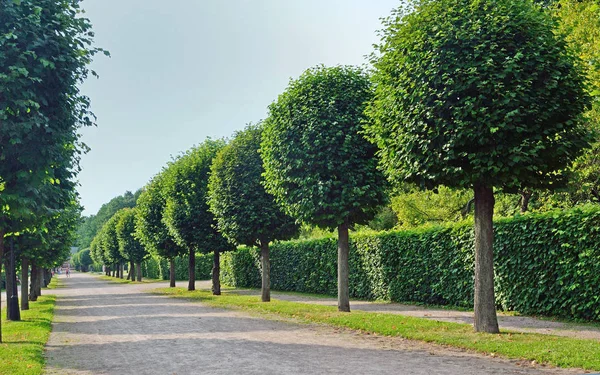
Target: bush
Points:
(158, 268)
(546, 264)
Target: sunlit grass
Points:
(22, 349)
(553, 350)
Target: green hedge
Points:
(546, 264)
(158, 268)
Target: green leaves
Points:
(476, 91)
(245, 212)
(317, 163)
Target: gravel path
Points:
(106, 328)
(506, 322)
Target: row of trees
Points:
(45, 47)
(478, 95)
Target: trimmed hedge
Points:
(546, 264)
(158, 268)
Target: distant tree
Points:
(317, 163)
(150, 228)
(90, 225)
(245, 212)
(186, 215)
(109, 243)
(481, 95)
(129, 246)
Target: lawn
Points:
(547, 349)
(22, 350)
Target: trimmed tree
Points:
(129, 246)
(186, 215)
(480, 95)
(246, 214)
(317, 164)
(150, 229)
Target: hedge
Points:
(158, 268)
(546, 264)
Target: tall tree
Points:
(129, 246)
(150, 228)
(478, 94)
(245, 212)
(317, 163)
(186, 215)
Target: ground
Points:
(106, 328)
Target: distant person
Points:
(68, 272)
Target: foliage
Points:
(472, 92)
(153, 269)
(90, 225)
(246, 214)
(130, 247)
(185, 189)
(317, 163)
(82, 260)
(554, 350)
(580, 22)
(150, 229)
(546, 264)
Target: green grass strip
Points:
(557, 351)
(22, 350)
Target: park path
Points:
(109, 328)
(507, 322)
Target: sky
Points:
(184, 70)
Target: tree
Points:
(186, 215)
(129, 246)
(480, 95)
(150, 229)
(317, 163)
(109, 244)
(246, 214)
(45, 47)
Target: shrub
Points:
(546, 264)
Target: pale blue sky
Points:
(183, 70)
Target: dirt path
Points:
(105, 328)
(506, 322)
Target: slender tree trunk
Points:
(216, 273)
(485, 304)
(34, 282)
(13, 312)
(343, 268)
(113, 270)
(138, 268)
(122, 268)
(525, 197)
(266, 271)
(192, 270)
(40, 281)
(131, 272)
(24, 283)
(46, 277)
(1, 260)
(172, 272)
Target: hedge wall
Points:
(158, 268)
(546, 264)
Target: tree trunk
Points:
(131, 271)
(172, 272)
(485, 304)
(24, 283)
(34, 282)
(192, 270)
(266, 271)
(216, 272)
(40, 281)
(525, 197)
(12, 297)
(113, 270)
(138, 268)
(343, 268)
(122, 268)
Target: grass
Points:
(547, 349)
(22, 350)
